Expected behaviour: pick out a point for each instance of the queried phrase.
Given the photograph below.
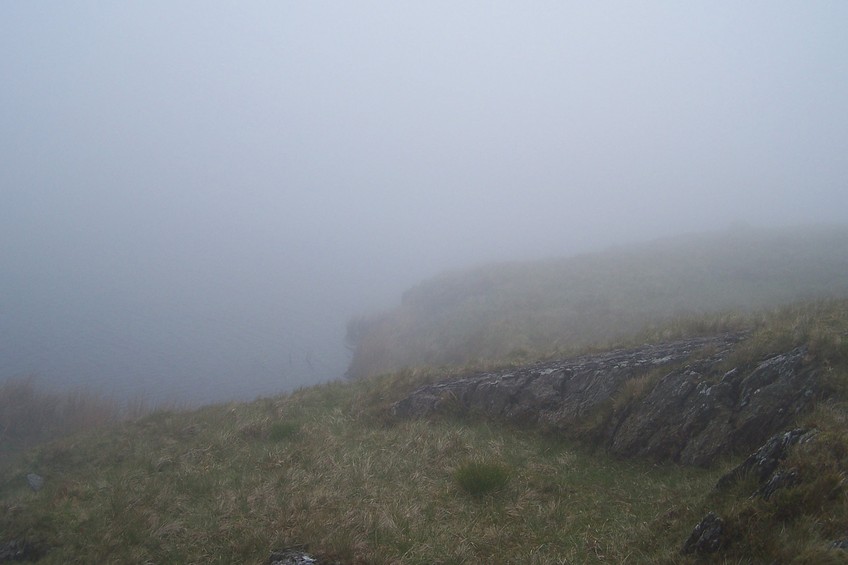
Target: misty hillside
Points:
(413, 468)
(514, 311)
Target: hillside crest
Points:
(524, 311)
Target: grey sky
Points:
(204, 190)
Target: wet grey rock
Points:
(291, 557)
(19, 550)
(558, 393)
(778, 481)
(707, 537)
(691, 419)
(840, 544)
(35, 481)
(764, 463)
(692, 415)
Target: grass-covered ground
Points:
(327, 467)
(227, 484)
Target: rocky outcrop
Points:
(764, 463)
(708, 536)
(559, 392)
(689, 413)
(691, 419)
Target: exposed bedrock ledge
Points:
(690, 414)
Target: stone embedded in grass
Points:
(291, 557)
(19, 550)
(478, 479)
(35, 481)
(708, 536)
(764, 462)
(840, 544)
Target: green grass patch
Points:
(282, 431)
(481, 478)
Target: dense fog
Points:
(195, 197)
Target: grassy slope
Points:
(222, 493)
(214, 486)
(522, 310)
(326, 467)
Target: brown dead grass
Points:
(31, 415)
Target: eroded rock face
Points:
(691, 415)
(707, 536)
(764, 463)
(556, 391)
(689, 419)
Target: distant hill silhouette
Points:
(521, 310)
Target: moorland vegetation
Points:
(330, 467)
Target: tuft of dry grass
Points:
(632, 390)
(31, 415)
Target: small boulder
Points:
(35, 482)
(840, 544)
(19, 550)
(291, 557)
(708, 536)
(779, 480)
(763, 463)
